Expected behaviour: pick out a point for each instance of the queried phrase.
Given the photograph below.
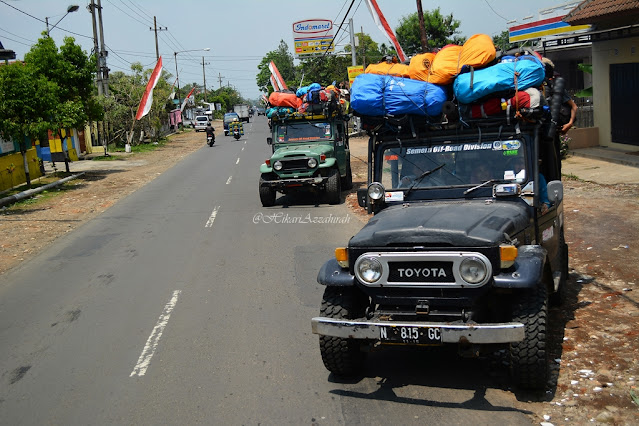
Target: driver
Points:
(210, 131)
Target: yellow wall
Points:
(55, 144)
(9, 180)
(620, 51)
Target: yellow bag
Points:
(478, 51)
(419, 66)
(384, 68)
(444, 67)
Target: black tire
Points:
(267, 194)
(347, 181)
(529, 358)
(333, 187)
(342, 357)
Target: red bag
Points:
(283, 99)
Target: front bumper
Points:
(490, 333)
(280, 184)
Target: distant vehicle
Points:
(200, 122)
(261, 111)
(228, 117)
(242, 111)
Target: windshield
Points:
(304, 131)
(450, 164)
(202, 118)
(229, 118)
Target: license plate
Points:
(410, 334)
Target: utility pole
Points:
(422, 27)
(95, 47)
(103, 54)
(353, 53)
(363, 48)
(204, 74)
(156, 29)
(219, 78)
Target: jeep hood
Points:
(447, 224)
(314, 150)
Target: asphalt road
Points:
(189, 303)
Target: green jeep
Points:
(310, 152)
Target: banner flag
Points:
(274, 84)
(278, 77)
(147, 98)
(381, 23)
(187, 98)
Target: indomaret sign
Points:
(313, 37)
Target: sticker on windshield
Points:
(506, 145)
(394, 196)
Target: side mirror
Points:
(555, 191)
(269, 141)
(362, 194)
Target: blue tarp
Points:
(379, 95)
(499, 78)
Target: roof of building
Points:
(619, 12)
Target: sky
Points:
(238, 33)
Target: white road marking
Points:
(242, 148)
(154, 339)
(209, 223)
(229, 180)
(238, 161)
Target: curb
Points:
(31, 192)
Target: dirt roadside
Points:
(594, 335)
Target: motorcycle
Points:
(236, 133)
(210, 140)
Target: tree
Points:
(441, 30)
(71, 70)
(368, 50)
(283, 61)
(502, 41)
(27, 99)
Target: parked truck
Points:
(242, 111)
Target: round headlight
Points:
(312, 163)
(473, 270)
(376, 191)
(370, 269)
(277, 165)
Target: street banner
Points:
(186, 99)
(274, 84)
(313, 37)
(381, 23)
(147, 98)
(278, 77)
(353, 72)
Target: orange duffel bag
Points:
(284, 99)
(384, 68)
(419, 66)
(477, 52)
(444, 67)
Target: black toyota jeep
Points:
(466, 246)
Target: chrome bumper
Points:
(451, 333)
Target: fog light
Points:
(376, 191)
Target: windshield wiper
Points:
(422, 176)
(468, 191)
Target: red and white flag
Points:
(274, 84)
(187, 98)
(275, 73)
(147, 98)
(381, 23)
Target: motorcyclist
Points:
(210, 131)
(236, 124)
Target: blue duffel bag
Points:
(472, 86)
(379, 95)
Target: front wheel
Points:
(342, 357)
(267, 194)
(333, 187)
(529, 358)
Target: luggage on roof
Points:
(520, 74)
(284, 99)
(419, 66)
(379, 95)
(384, 68)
